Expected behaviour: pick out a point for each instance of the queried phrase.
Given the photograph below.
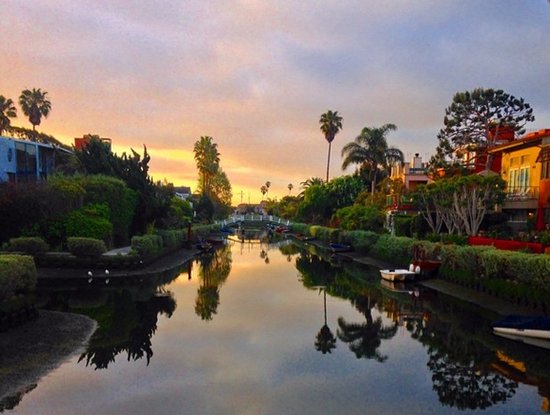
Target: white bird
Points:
(107, 271)
(90, 280)
(107, 281)
(90, 273)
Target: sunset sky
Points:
(256, 75)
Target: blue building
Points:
(24, 161)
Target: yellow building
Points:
(525, 166)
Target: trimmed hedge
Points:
(395, 249)
(147, 246)
(86, 247)
(17, 275)
(202, 231)
(362, 241)
(29, 245)
(90, 221)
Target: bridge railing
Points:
(253, 218)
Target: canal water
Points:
(272, 329)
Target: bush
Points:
(172, 238)
(327, 235)
(362, 241)
(17, 275)
(147, 246)
(394, 249)
(202, 231)
(360, 217)
(29, 245)
(301, 228)
(91, 221)
(86, 247)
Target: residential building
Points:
(525, 166)
(23, 161)
(80, 143)
(410, 174)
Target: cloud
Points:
(256, 75)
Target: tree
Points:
(475, 120)
(7, 111)
(263, 189)
(331, 124)
(371, 152)
(207, 158)
(35, 105)
(310, 182)
(290, 187)
(267, 186)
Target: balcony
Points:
(521, 197)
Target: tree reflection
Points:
(125, 326)
(364, 339)
(325, 340)
(214, 270)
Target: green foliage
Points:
(147, 246)
(395, 249)
(327, 235)
(172, 238)
(86, 247)
(205, 209)
(202, 231)
(91, 221)
(301, 228)
(113, 192)
(362, 241)
(17, 275)
(360, 217)
(29, 245)
(404, 225)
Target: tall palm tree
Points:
(207, 158)
(370, 150)
(35, 105)
(7, 111)
(331, 124)
(313, 181)
(267, 186)
(290, 187)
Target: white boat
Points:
(397, 274)
(524, 326)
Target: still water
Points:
(276, 329)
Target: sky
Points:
(256, 75)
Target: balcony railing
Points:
(522, 193)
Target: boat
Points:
(340, 248)
(527, 327)
(426, 267)
(400, 274)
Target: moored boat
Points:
(340, 248)
(523, 326)
(400, 274)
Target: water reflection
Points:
(214, 268)
(465, 360)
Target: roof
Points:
(528, 140)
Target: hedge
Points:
(86, 247)
(362, 241)
(17, 275)
(29, 245)
(147, 246)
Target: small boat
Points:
(537, 327)
(340, 248)
(427, 267)
(400, 274)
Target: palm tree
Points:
(331, 124)
(370, 150)
(263, 189)
(7, 111)
(267, 186)
(207, 158)
(35, 105)
(290, 187)
(313, 181)
(325, 340)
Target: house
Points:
(182, 192)
(80, 143)
(410, 174)
(23, 161)
(525, 166)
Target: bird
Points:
(90, 273)
(107, 271)
(90, 280)
(107, 281)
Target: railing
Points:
(522, 193)
(253, 218)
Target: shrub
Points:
(86, 247)
(202, 231)
(91, 221)
(328, 235)
(29, 245)
(395, 249)
(172, 238)
(147, 246)
(360, 217)
(17, 274)
(301, 228)
(362, 241)
(403, 225)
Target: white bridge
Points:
(236, 219)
